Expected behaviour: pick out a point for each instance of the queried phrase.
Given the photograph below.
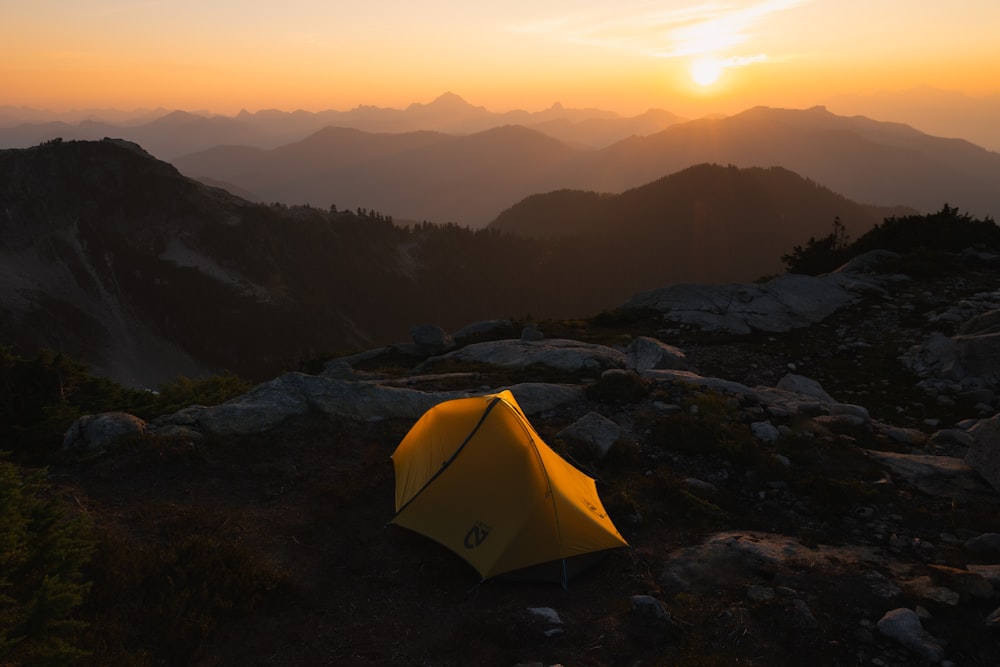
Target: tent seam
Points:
(448, 462)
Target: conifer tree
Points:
(43, 550)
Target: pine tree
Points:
(43, 549)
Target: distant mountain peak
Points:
(449, 98)
(445, 102)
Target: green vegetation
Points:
(58, 567)
(922, 239)
(43, 550)
(42, 396)
(820, 255)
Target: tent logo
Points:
(476, 535)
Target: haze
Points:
(692, 58)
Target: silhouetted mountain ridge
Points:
(116, 258)
(886, 164)
(708, 222)
(169, 134)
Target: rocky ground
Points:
(790, 498)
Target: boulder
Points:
(649, 621)
(481, 328)
(734, 558)
(803, 386)
(700, 382)
(765, 432)
(560, 354)
(903, 626)
(986, 543)
(295, 394)
(91, 435)
(260, 409)
(431, 338)
(538, 397)
(966, 583)
(594, 431)
(645, 353)
(970, 359)
(984, 454)
(867, 262)
(944, 476)
(532, 333)
(784, 303)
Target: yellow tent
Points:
(474, 475)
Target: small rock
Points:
(799, 384)
(802, 616)
(700, 485)
(952, 436)
(987, 543)
(649, 619)
(431, 337)
(851, 410)
(593, 430)
(904, 436)
(881, 586)
(765, 432)
(966, 583)
(990, 573)
(645, 353)
(530, 334)
(479, 328)
(943, 595)
(903, 625)
(760, 593)
(547, 614)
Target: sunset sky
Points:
(688, 57)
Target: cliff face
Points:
(115, 258)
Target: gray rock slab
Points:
(784, 303)
(944, 476)
(557, 353)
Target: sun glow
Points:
(706, 71)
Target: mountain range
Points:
(170, 134)
(116, 258)
(470, 179)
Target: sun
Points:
(706, 71)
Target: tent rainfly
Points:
(473, 475)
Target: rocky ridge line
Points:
(919, 580)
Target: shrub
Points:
(43, 550)
(41, 397)
(927, 235)
(820, 255)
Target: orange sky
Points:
(625, 56)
